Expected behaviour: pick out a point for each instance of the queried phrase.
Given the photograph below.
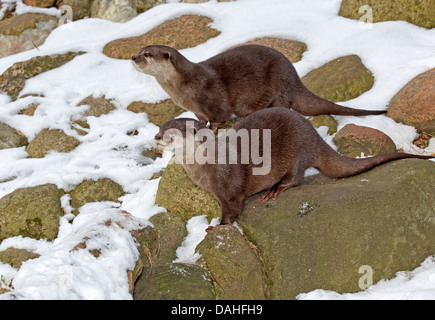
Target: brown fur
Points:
(295, 147)
(239, 81)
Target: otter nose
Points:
(134, 58)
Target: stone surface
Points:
(325, 120)
(293, 50)
(11, 138)
(94, 191)
(318, 235)
(24, 32)
(180, 33)
(158, 113)
(40, 3)
(236, 269)
(342, 79)
(114, 10)
(180, 195)
(419, 12)
(352, 140)
(13, 80)
(31, 212)
(414, 104)
(51, 140)
(16, 257)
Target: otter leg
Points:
(231, 210)
(288, 181)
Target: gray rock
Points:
(10, 138)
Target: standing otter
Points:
(294, 146)
(239, 81)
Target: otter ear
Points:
(167, 55)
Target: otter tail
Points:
(334, 165)
(309, 104)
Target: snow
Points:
(395, 52)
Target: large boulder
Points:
(342, 79)
(13, 80)
(352, 140)
(183, 32)
(31, 212)
(114, 10)
(320, 234)
(24, 32)
(414, 105)
(420, 13)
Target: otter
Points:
(294, 147)
(239, 81)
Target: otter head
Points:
(155, 61)
(173, 134)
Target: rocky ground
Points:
(305, 240)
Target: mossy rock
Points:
(13, 80)
(325, 120)
(293, 50)
(16, 25)
(51, 140)
(174, 281)
(15, 257)
(414, 104)
(31, 212)
(158, 113)
(183, 32)
(318, 235)
(342, 79)
(352, 140)
(236, 270)
(418, 12)
(95, 191)
(11, 138)
(180, 195)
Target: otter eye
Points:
(147, 55)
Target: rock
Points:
(352, 140)
(293, 50)
(51, 140)
(342, 79)
(16, 257)
(318, 235)
(31, 212)
(144, 5)
(180, 195)
(414, 105)
(40, 3)
(114, 10)
(172, 231)
(96, 191)
(11, 138)
(155, 276)
(24, 32)
(235, 268)
(80, 8)
(420, 13)
(158, 113)
(175, 281)
(98, 106)
(12, 81)
(325, 120)
(180, 33)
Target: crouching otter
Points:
(238, 81)
(284, 141)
